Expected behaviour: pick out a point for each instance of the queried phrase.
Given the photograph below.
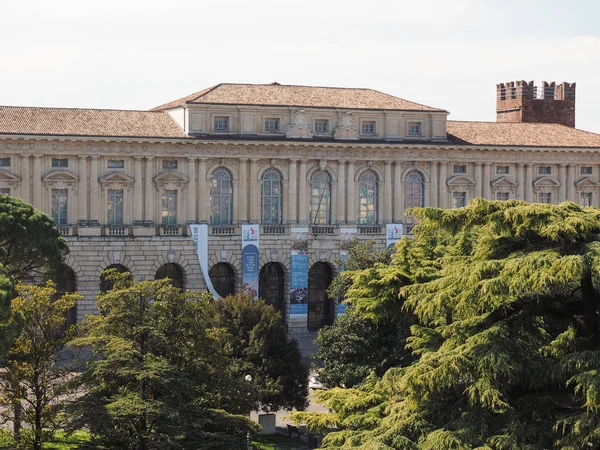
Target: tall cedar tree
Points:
(37, 374)
(506, 295)
(30, 245)
(8, 327)
(160, 376)
(355, 345)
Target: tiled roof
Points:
(520, 134)
(302, 96)
(87, 122)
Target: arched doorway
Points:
(107, 285)
(320, 307)
(171, 271)
(223, 279)
(270, 286)
(66, 282)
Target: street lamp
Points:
(248, 378)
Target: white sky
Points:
(136, 54)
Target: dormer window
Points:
(545, 170)
(459, 169)
(502, 170)
(271, 125)
(169, 164)
(60, 162)
(321, 126)
(221, 123)
(586, 170)
(368, 127)
(116, 163)
(4, 162)
(415, 129)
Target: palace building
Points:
(292, 172)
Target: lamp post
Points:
(248, 379)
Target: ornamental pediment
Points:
(503, 182)
(9, 177)
(546, 181)
(116, 177)
(461, 180)
(60, 176)
(170, 177)
(586, 182)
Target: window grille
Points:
(271, 198)
(367, 198)
(221, 198)
(320, 198)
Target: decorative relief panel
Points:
(461, 183)
(503, 184)
(300, 126)
(170, 181)
(116, 180)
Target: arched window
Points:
(221, 198)
(171, 271)
(367, 198)
(414, 195)
(66, 282)
(320, 198)
(270, 286)
(271, 198)
(222, 278)
(107, 285)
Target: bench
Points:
(293, 429)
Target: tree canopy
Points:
(506, 300)
(30, 244)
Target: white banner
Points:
(250, 259)
(200, 238)
(393, 234)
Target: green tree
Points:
(30, 245)
(159, 377)
(258, 345)
(356, 345)
(7, 324)
(36, 376)
(506, 297)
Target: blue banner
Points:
(299, 273)
(250, 260)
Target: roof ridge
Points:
(64, 108)
(297, 85)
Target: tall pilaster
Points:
(94, 190)
(443, 186)
(562, 178)
(82, 187)
(150, 196)
(571, 183)
(203, 195)
(37, 181)
(254, 215)
(387, 205)
(487, 181)
(243, 192)
(341, 189)
(478, 180)
(138, 189)
(520, 182)
(398, 197)
(351, 214)
(302, 197)
(529, 182)
(293, 192)
(25, 178)
(191, 190)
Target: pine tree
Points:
(506, 297)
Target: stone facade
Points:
(440, 165)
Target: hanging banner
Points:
(393, 234)
(347, 236)
(299, 273)
(250, 260)
(200, 238)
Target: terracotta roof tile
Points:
(520, 134)
(302, 96)
(87, 122)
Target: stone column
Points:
(254, 216)
(520, 182)
(243, 192)
(571, 183)
(398, 197)
(351, 214)
(138, 189)
(443, 186)
(528, 182)
(487, 181)
(150, 191)
(387, 205)
(191, 190)
(562, 178)
(25, 178)
(293, 192)
(302, 197)
(37, 181)
(95, 197)
(82, 189)
(203, 195)
(341, 191)
(478, 180)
